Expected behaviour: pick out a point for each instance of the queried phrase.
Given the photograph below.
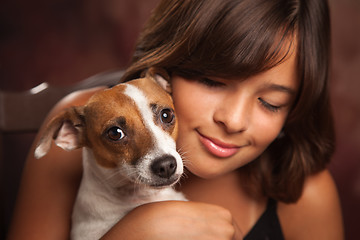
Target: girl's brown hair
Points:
(240, 38)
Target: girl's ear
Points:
(161, 77)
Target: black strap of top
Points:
(268, 226)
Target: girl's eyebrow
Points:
(280, 88)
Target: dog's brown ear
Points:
(66, 129)
(161, 77)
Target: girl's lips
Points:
(218, 148)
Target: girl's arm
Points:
(176, 220)
(49, 186)
(317, 214)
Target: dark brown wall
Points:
(64, 41)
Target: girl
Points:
(249, 81)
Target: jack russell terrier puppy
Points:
(128, 137)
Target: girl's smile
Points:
(218, 148)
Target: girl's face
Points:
(226, 123)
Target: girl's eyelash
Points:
(269, 106)
(210, 83)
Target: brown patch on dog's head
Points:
(115, 130)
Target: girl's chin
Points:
(208, 172)
(211, 170)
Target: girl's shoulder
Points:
(317, 214)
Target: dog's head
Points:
(129, 131)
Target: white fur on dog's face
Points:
(163, 144)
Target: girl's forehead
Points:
(283, 62)
(237, 63)
(284, 75)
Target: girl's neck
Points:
(226, 191)
(199, 189)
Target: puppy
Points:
(127, 134)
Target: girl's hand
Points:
(176, 220)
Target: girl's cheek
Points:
(268, 126)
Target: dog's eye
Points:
(115, 133)
(167, 116)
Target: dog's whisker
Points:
(184, 175)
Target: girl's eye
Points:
(167, 116)
(269, 106)
(115, 133)
(210, 83)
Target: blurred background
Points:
(65, 41)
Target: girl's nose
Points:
(233, 113)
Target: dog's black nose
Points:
(164, 167)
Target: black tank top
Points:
(268, 226)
